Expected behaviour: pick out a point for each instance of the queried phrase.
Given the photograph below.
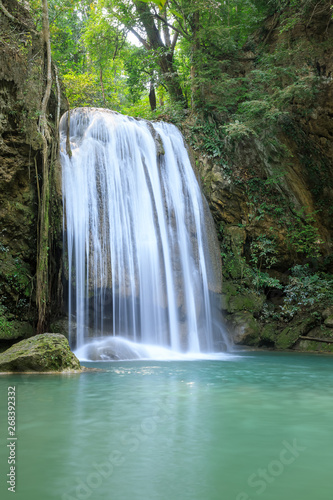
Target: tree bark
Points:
(152, 97)
(165, 58)
(102, 86)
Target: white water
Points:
(139, 265)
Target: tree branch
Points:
(174, 41)
(139, 37)
(164, 21)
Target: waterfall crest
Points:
(142, 260)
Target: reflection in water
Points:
(178, 430)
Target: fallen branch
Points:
(317, 340)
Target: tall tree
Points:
(148, 21)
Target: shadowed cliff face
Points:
(21, 92)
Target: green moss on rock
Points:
(235, 298)
(42, 353)
(329, 322)
(269, 333)
(12, 330)
(289, 336)
(246, 330)
(313, 346)
(60, 326)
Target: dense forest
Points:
(248, 82)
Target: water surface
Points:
(259, 425)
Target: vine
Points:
(48, 159)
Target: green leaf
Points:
(176, 13)
(159, 3)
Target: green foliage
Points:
(6, 326)
(306, 289)
(263, 255)
(263, 252)
(262, 281)
(303, 235)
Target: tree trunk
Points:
(195, 90)
(152, 97)
(102, 86)
(165, 59)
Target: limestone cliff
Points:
(22, 85)
(270, 189)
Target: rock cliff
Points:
(269, 183)
(22, 85)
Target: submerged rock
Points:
(48, 352)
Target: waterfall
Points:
(142, 261)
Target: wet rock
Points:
(235, 298)
(245, 329)
(297, 328)
(48, 352)
(269, 334)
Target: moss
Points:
(329, 321)
(60, 326)
(290, 335)
(12, 330)
(41, 353)
(236, 298)
(311, 346)
(246, 330)
(269, 333)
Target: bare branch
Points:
(180, 32)
(139, 37)
(174, 41)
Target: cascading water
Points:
(141, 248)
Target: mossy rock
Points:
(321, 332)
(245, 329)
(329, 321)
(289, 336)
(48, 352)
(313, 346)
(246, 302)
(235, 299)
(12, 330)
(327, 313)
(269, 333)
(60, 326)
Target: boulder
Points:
(329, 321)
(298, 327)
(235, 298)
(245, 329)
(327, 312)
(269, 333)
(48, 352)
